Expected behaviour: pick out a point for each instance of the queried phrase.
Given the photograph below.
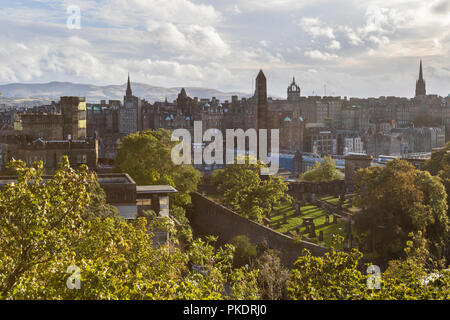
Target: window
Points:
(143, 202)
(164, 205)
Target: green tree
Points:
(244, 250)
(146, 157)
(439, 165)
(246, 192)
(44, 229)
(337, 275)
(330, 277)
(325, 171)
(40, 222)
(272, 275)
(397, 200)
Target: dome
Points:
(219, 105)
(168, 118)
(207, 105)
(300, 118)
(287, 119)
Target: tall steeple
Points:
(420, 71)
(129, 93)
(420, 84)
(261, 99)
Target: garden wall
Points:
(211, 218)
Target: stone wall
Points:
(211, 218)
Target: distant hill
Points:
(40, 92)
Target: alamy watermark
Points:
(374, 280)
(213, 153)
(74, 280)
(74, 19)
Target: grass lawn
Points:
(310, 211)
(335, 202)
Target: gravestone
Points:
(327, 220)
(312, 230)
(307, 227)
(298, 211)
(284, 217)
(341, 201)
(321, 235)
(335, 219)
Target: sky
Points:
(347, 48)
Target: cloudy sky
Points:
(353, 47)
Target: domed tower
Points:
(293, 92)
(420, 84)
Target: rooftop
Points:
(156, 189)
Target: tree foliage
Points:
(272, 275)
(325, 171)
(439, 165)
(246, 192)
(146, 157)
(397, 200)
(333, 276)
(45, 228)
(338, 275)
(244, 250)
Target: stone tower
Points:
(293, 92)
(73, 110)
(354, 162)
(420, 84)
(261, 100)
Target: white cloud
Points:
(235, 9)
(192, 41)
(334, 45)
(316, 54)
(316, 28)
(222, 43)
(135, 12)
(351, 35)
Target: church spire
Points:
(129, 93)
(420, 71)
(420, 84)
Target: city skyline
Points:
(223, 44)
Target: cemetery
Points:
(309, 222)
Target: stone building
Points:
(130, 114)
(50, 152)
(355, 118)
(320, 139)
(48, 137)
